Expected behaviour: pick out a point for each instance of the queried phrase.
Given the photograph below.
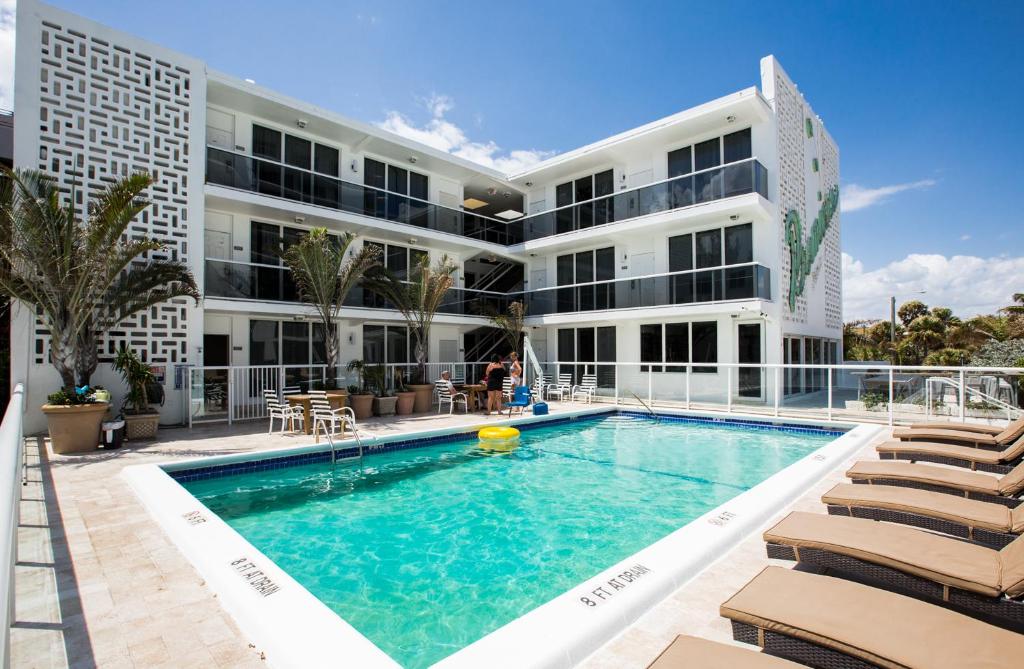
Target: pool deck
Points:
(99, 584)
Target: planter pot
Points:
(384, 406)
(75, 429)
(424, 393)
(362, 405)
(406, 403)
(141, 426)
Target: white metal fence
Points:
(12, 473)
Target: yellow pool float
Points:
(498, 433)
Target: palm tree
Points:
(418, 299)
(83, 277)
(1017, 308)
(511, 323)
(324, 279)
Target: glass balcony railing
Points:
(738, 282)
(245, 281)
(739, 178)
(234, 170)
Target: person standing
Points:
(515, 370)
(495, 374)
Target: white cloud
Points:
(7, 54)
(964, 238)
(856, 197)
(969, 285)
(440, 133)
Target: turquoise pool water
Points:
(428, 549)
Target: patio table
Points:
(474, 393)
(336, 398)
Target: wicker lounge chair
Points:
(690, 652)
(986, 523)
(997, 462)
(831, 622)
(1003, 489)
(976, 580)
(969, 435)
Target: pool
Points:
(425, 550)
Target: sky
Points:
(919, 96)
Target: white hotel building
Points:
(670, 244)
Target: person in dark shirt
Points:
(494, 377)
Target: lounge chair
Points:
(977, 436)
(560, 389)
(997, 462)
(976, 580)
(831, 622)
(986, 523)
(586, 390)
(1003, 489)
(690, 652)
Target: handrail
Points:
(12, 447)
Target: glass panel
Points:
(585, 212)
(564, 217)
(326, 160)
(319, 344)
(263, 342)
(564, 270)
(606, 353)
(749, 382)
(397, 345)
(604, 184)
(705, 346)
(373, 344)
(737, 146)
(266, 143)
(585, 272)
(297, 151)
(706, 155)
(677, 345)
(294, 343)
(680, 162)
(604, 293)
(709, 248)
(650, 346)
(397, 260)
(418, 185)
(739, 245)
(680, 253)
(566, 345)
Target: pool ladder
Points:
(649, 409)
(345, 421)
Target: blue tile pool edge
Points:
(258, 464)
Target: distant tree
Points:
(908, 311)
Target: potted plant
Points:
(406, 397)
(324, 278)
(383, 401)
(359, 398)
(141, 420)
(418, 298)
(83, 274)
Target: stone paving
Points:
(100, 585)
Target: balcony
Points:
(720, 284)
(248, 281)
(270, 283)
(739, 178)
(224, 168)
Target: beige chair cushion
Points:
(872, 624)
(960, 479)
(1017, 519)
(969, 512)
(907, 549)
(1012, 483)
(953, 451)
(971, 428)
(690, 652)
(1011, 558)
(924, 434)
(1013, 431)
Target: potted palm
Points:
(406, 397)
(324, 279)
(418, 298)
(83, 274)
(141, 420)
(359, 398)
(383, 401)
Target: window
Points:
(588, 346)
(679, 343)
(387, 345)
(709, 248)
(736, 146)
(680, 162)
(298, 152)
(263, 342)
(326, 160)
(680, 253)
(706, 155)
(398, 259)
(296, 345)
(739, 245)
(266, 143)
(586, 267)
(589, 212)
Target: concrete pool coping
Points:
(297, 629)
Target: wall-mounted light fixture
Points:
(300, 219)
(734, 217)
(302, 123)
(413, 159)
(413, 240)
(529, 183)
(730, 119)
(351, 338)
(354, 166)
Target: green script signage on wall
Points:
(801, 253)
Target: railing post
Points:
(891, 396)
(963, 396)
(615, 370)
(778, 371)
(829, 377)
(231, 394)
(728, 389)
(650, 384)
(689, 372)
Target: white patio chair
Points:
(507, 390)
(446, 396)
(286, 414)
(562, 388)
(291, 390)
(586, 390)
(537, 390)
(322, 415)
